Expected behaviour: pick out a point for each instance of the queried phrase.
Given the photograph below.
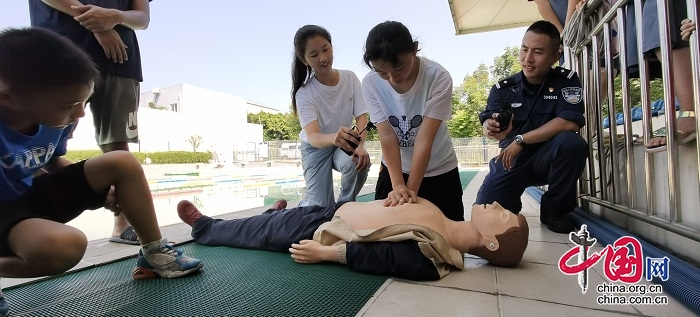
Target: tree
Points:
(277, 126)
(464, 124)
(154, 106)
(506, 64)
(195, 141)
(468, 100)
(656, 91)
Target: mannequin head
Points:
(504, 235)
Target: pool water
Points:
(212, 194)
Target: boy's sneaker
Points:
(4, 306)
(167, 262)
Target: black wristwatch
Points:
(520, 140)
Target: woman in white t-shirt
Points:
(326, 100)
(410, 98)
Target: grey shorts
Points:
(114, 107)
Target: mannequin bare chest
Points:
(373, 215)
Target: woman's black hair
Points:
(386, 41)
(301, 72)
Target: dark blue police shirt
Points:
(42, 15)
(560, 95)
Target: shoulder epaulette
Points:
(510, 81)
(565, 72)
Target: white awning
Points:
(476, 16)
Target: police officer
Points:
(539, 142)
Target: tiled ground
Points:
(535, 288)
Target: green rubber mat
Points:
(235, 282)
(464, 176)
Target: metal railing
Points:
(470, 151)
(661, 189)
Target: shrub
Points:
(174, 157)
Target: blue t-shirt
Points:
(42, 15)
(22, 155)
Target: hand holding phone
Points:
(370, 126)
(503, 119)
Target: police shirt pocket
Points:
(546, 107)
(520, 114)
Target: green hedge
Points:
(174, 157)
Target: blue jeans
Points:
(271, 231)
(318, 167)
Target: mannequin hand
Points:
(310, 251)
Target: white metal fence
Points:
(470, 151)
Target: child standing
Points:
(326, 100)
(45, 81)
(410, 98)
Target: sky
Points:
(245, 48)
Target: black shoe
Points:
(559, 223)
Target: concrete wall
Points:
(219, 118)
(189, 99)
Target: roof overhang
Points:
(476, 16)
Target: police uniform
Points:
(557, 162)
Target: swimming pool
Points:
(214, 194)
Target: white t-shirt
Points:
(430, 96)
(332, 106)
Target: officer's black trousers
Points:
(557, 163)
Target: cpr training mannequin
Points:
(413, 241)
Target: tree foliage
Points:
(154, 106)
(286, 126)
(507, 64)
(469, 98)
(277, 126)
(656, 91)
(195, 141)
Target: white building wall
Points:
(176, 95)
(220, 119)
(165, 97)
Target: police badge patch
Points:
(572, 95)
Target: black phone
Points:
(505, 114)
(504, 119)
(370, 126)
(353, 144)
